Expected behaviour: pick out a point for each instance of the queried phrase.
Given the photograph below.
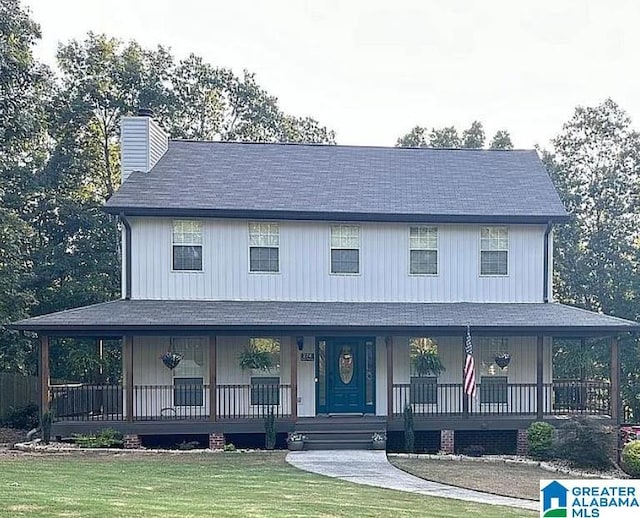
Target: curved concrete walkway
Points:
(372, 468)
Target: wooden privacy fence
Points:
(16, 390)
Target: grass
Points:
(514, 480)
(190, 486)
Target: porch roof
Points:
(122, 316)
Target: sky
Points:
(372, 69)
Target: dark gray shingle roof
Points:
(312, 181)
(238, 316)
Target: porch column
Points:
(614, 396)
(293, 350)
(44, 374)
(388, 340)
(540, 378)
(213, 370)
(127, 359)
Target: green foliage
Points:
(46, 419)
(594, 167)
(540, 439)
(270, 430)
(631, 458)
(188, 445)
(24, 417)
(586, 443)
(409, 434)
(474, 450)
(424, 357)
(501, 140)
(473, 138)
(254, 359)
(448, 137)
(106, 438)
(229, 447)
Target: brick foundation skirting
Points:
(522, 447)
(132, 441)
(447, 441)
(216, 441)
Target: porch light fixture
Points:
(503, 359)
(300, 342)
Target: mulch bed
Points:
(11, 436)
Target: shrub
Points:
(24, 417)
(631, 458)
(188, 445)
(474, 450)
(270, 430)
(540, 440)
(585, 443)
(107, 438)
(229, 447)
(409, 434)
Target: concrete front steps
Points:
(339, 432)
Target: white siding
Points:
(304, 265)
(142, 144)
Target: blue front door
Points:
(346, 375)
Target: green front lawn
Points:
(186, 486)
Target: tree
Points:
(417, 137)
(501, 140)
(23, 94)
(473, 138)
(595, 165)
(447, 137)
(444, 138)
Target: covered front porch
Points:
(331, 359)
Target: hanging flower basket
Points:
(503, 359)
(171, 359)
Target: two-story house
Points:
(332, 286)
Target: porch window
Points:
(494, 250)
(265, 390)
(264, 247)
(345, 249)
(424, 391)
(493, 389)
(188, 392)
(423, 250)
(188, 376)
(187, 245)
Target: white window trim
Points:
(331, 247)
(249, 247)
(508, 250)
(437, 250)
(202, 245)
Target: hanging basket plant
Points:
(503, 359)
(171, 359)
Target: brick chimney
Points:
(142, 143)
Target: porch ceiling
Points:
(121, 317)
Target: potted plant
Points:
(503, 359)
(171, 359)
(379, 441)
(426, 361)
(254, 359)
(295, 441)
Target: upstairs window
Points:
(423, 250)
(187, 245)
(345, 249)
(494, 250)
(264, 247)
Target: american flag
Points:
(469, 367)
